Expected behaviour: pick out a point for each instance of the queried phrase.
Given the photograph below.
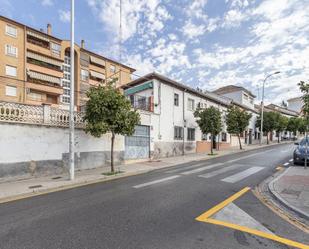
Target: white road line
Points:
(156, 181)
(182, 168)
(286, 164)
(244, 157)
(189, 172)
(291, 160)
(221, 171)
(241, 175)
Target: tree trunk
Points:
(240, 147)
(211, 144)
(112, 151)
(267, 139)
(278, 137)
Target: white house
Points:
(167, 118)
(295, 104)
(243, 98)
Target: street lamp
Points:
(262, 105)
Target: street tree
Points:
(293, 125)
(209, 121)
(109, 111)
(269, 123)
(281, 124)
(237, 121)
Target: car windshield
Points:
(303, 142)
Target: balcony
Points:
(142, 103)
(42, 69)
(44, 87)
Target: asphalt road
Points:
(154, 210)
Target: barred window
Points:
(178, 132)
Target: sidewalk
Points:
(292, 189)
(18, 189)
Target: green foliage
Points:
(209, 121)
(237, 121)
(293, 124)
(269, 121)
(282, 123)
(107, 110)
(304, 88)
(302, 125)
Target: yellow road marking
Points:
(279, 168)
(205, 217)
(217, 208)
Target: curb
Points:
(111, 178)
(277, 196)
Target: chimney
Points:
(49, 29)
(82, 43)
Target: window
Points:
(191, 134)
(176, 99)
(251, 100)
(204, 136)
(191, 104)
(10, 71)
(84, 74)
(56, 48)
(246, 96)
(11, 91)
(35, 96)
(178, 132)
(112, 69)
(223, 136)
(11, 31)
(10, 50)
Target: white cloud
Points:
(64, 16)
(192, 30)
(47, 2)
(146, 15)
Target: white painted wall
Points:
(295, 105)
(21, 142)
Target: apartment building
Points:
(244, 99)
(35, 67)
(168, 126)
(295, 104)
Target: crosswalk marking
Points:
(221, 171)
(193, 171)
(244, 157)
(185, 167)
(241, 175)
(156, 181)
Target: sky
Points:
(201, 43)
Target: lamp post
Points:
(262, 105)
(71, 119)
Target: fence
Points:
(32, 114)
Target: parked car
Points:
(300, 152)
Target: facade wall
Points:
(35, 149)
(295, 105)
(166, 116)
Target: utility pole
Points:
(262, 105)
(71, 120)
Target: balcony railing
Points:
(31, 114)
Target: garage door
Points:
(137, 146)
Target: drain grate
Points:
(35, 186)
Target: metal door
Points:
(137, 146)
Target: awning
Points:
(37, 35)
(97, 61)
(44, 77)
(139, 88)
(44, 59)
(97, 75)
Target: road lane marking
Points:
(244, 157)
(179, 168)
(205, 217)
(291, 160)
(286, 164)
(241, 175)
(156, 181)
(189, 172)
(221, 171)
